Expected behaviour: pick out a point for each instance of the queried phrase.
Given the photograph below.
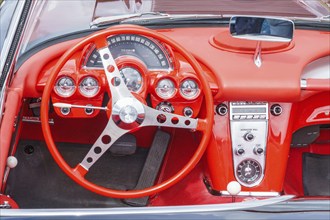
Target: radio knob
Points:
(248, 137)
(240, 151)
(258, 151)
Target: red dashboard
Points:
(232, 75)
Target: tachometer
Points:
(132, 78)
(137, 46)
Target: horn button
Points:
(128, 113)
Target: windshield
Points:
(6, 13)
(54, 18)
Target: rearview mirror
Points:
(261, 28)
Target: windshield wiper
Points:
(118, 19)
(157, 18)
(179, 19)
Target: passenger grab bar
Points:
(315, 84)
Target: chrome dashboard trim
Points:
(317, 69)
(246, 193)
(166, 70)
(303, 84)
(257, 55)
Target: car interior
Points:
(168, 115)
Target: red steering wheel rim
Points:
(76, 175)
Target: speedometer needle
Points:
(66, 105)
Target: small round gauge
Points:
(89, 87)
(65, 86)
(248, 171)
(189, 89)
(165, 88)
(132, 78)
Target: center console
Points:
(249, 129)
(250, 145)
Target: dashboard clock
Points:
(248, 171)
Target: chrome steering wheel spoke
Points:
(116, 83)
(155, 117)
(128, 113)
(110, 134)
(119, 96)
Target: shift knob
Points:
(11, 162)
(234, 188)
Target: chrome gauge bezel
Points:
(62, 94)
(125, 78)
(160, 95)
(190, 97)
(83, 93)
(255, 165)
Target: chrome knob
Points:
(258, 150)
(65, 111)
(276, 110)
(240, 151)
(248, 137)
(89, 111)
(221, 109)
(188, 112)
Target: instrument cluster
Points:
(150, 70)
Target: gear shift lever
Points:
(234, 188)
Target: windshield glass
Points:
(6, 13)
(54, 18)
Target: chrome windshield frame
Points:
(6, 67)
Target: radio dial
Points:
(248, 137)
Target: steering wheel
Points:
(127, 113)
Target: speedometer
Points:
(137, 46)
